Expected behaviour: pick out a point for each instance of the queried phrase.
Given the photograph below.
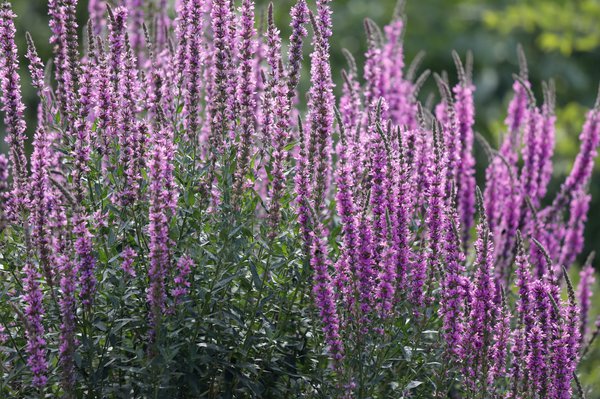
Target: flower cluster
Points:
(406, 199)
(155, 141)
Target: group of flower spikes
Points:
(406, 196)
(404, 181)
(207, 81)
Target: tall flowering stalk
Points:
(565, 346)
(221, 68)
(573, 235)
(136, 16)
(379, 201)
(40, 203)
(35, 331)
(382, 205)
(539, 337)
(302, 189)
(446, 115)
(185, 264)
(133, 146)
(402, 207)
(422, 171)
(246, 92)
(346, 208)
(103, 102)
(434, 218)
(67, 328)
(479, 338)
(13, 108)
(548, 132)
(453, 296)
(86, 262)
(96, 9)
(3, 187)
(531, 157)
(504, 197)
(584, 296)
(373, 73)
(36, 69)
(82, 125)
(123, 75)
(315, 173)
(499, 351)
(320, 106)
(299, 14)
(465, 114)
(161, 209)
(525, 317)
(584, 162)
(279, 134)
(63, 23)
(324, 295)
(499, 173)
(190, 58)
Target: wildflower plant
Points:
(188, 226)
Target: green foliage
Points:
(247, 329)
(565, 26)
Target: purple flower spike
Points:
(63, 24)
(162, 203)
(483, 306)
(531, 158)
(548, 132)
(185, 264)
(299, 14)
(502, 334)
(127, 259)
(346, 208)
(222, 71)
(86, 262)
(3, 173)
(191, 59)
(97, 9)
(36, 67)
(13, 108)
(136, 16)
(465, 114)
(34, 312)
(573, 238)
(68, 307)
(453, 297)
(324, 296)
(320, 107)
(584, 294)
(536, 358)
(40, 203)
(584, 162)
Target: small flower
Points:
(185, 264)
(128, 256)
(3, 335)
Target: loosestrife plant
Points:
(186, 227)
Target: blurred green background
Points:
(561, 39)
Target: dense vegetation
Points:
(191, 223)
